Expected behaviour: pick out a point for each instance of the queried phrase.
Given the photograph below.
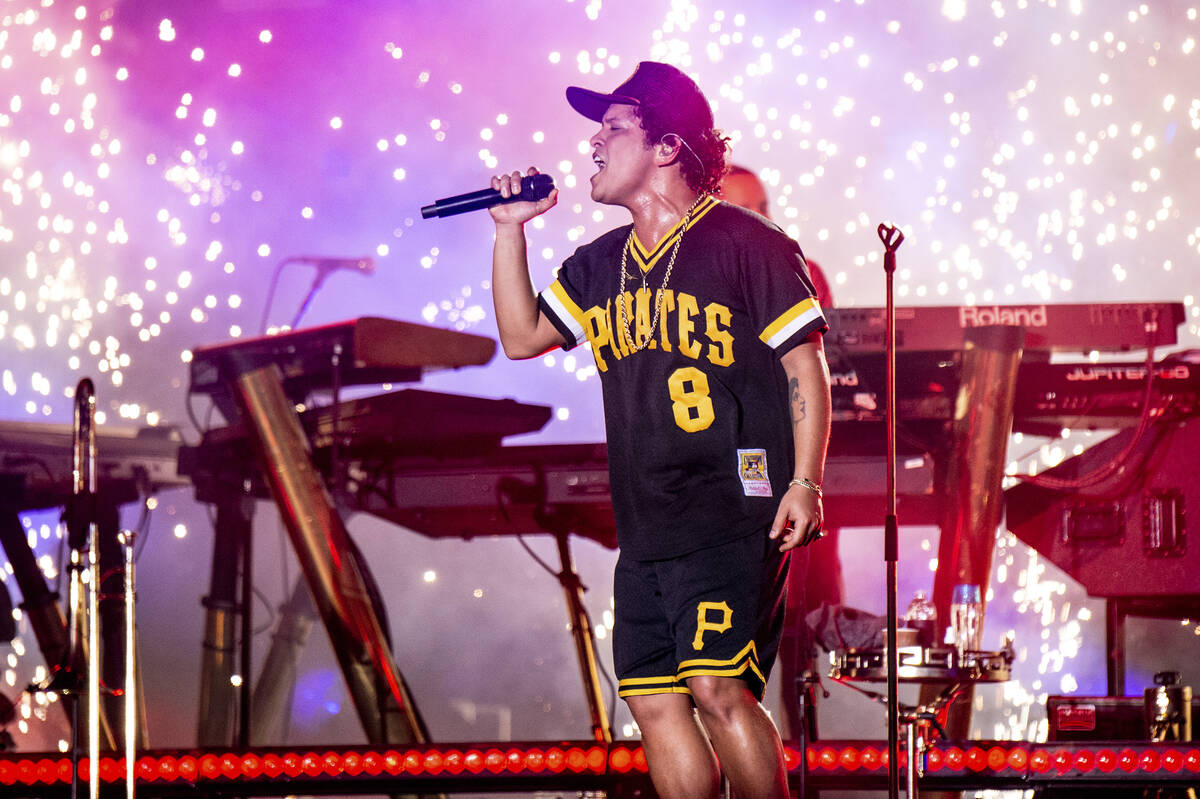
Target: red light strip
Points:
(251, 766)
(1072, 760)
(1011, 760)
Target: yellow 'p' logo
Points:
(703, 625)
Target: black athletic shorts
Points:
(716, 611)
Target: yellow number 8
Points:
(692, 406)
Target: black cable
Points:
(502, 498)
(549, 569)
(374, 594)
(1114, 465)
(608, 679)
(143, 534)
(270, 622)
(142, 529)
(502, 507)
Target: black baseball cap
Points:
(652, 83)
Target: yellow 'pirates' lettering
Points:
(599, 334)
(703, 625)
(720, 351)
(687, 309)
(610, 314)
(678, 317)
(692, 406)
(624, 312)
(642, 316)
(668, 308)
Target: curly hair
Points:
(702, 163)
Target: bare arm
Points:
(524, 329)
(798, 520)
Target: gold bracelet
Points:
(809, 484)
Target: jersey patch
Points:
(752, 469)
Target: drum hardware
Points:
(807, 685)
(923, 665)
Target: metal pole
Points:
(245, 711)
(892, 239)
(585, 647)
(131, 692)
(84, 536)
(235, 515)
(93, 663)
(912, 757)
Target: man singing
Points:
(707, 338)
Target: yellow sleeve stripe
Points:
(795, 318)
(565, 309)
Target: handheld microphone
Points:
(327, 264)
(533, 188)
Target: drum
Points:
(918, 664)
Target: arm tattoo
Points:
(799, 405)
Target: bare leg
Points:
(744, 738)
(682, 765)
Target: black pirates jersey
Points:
(699, 437)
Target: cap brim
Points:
(593, 104)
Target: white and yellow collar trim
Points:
(647, 259)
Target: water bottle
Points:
(966, 618)
(922, 617)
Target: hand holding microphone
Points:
(512, 198)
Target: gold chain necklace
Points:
(623, 320)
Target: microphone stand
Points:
(891, 238)
(318, 281)
(323, 266)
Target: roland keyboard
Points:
(1107, 327)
